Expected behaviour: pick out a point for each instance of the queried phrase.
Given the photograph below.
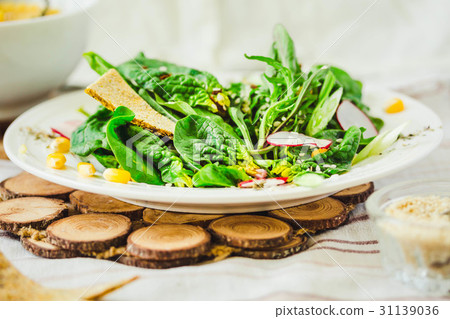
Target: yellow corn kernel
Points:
(60, 145)
(318, 151)
(223, 100)
(56, 160)
(395, 106)
(86, 169)
(117, 175)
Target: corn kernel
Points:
(395, 106)
(56, 160)
(86, 169)
(318, 151)
(60, 145)
(117, 175)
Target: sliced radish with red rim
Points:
(296, 139)
(348, 114)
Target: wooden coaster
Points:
(322, 214)
(89, 232)
(168, 242)
(294, 246)
(46, 250)
(156, 264)
(355, 195)
(154, 216)
(37, 212)
(251, 231)
(27, 185)
(86, 202)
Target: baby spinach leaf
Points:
(158, 154)
(128, 159)
(97, 63)
(219, 176)
(91, 135)
(201, 141)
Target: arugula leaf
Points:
(128, 159)
(284, 49)
(218, 175)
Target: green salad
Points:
(294, 126)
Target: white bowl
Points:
(37, 55)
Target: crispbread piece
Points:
(112, 91)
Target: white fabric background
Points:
(393, 41)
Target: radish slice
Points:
(296, 139)
(265, 182)
(66, 128)
(348, 114)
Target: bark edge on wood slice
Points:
(37, 212)
(250, 231)
(28, 185)
(355, 195)
(322, 214)
(155, 216)
(43, 249)
(168, 242)
(292, 247)
(156, 264)
(86, 203)
(89, 232)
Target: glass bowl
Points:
(415, 251)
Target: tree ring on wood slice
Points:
(154, 216)
(318, 215)
(294, 246)
(44, 249)
(251, 231)
(355, 195)
(168, 242)
(86, 202)
(37, 212)
(156, 264)
(27, 185)
(89, 232)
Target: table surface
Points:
(341, 264)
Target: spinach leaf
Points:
(158, 154)
(105, 158)
(218, 175)
(201, 141)
(97, 63)
(91, 135)
(128, 159)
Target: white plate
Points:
(221, 200)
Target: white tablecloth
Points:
(342, 264)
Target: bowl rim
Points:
(79, 8)
(374, 209)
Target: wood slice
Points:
(89, 232)
(37, 212)
(43, 249)
(322, 214)
(168, 242)
(355, 195)
(294, 246)
(156, 264)
(154, 216)
(27, 185)
(251, 231)
(86, 202)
